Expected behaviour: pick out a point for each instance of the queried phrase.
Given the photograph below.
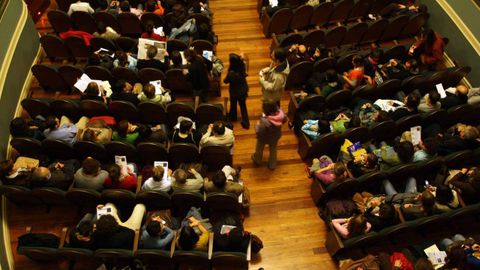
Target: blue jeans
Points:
(410, 187)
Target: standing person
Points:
(269, 131)
(237, 78)
(274, 77)
(197, 74)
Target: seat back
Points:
(160, 258)
(152, 113)
(208, 113)
(51, 196)
(99, 73)
(121, 198)
(338, 99)
(341, 11)
(191, 259)
(215, 157)
(301, 17)
(126, 74)
(290, 39)
(183, 153)
(36, 107)
(375, 31)
(19, 195)
(55, 47)
(149, 152)
(176, 45)
(123, 110)
(201, 45)
(84, 198)
(154, 18)
(279, 23)
(354, 34)
(70, 75)
(382, 131)
(321, 14)
(97, 43)
(397, 52)
(414, 26)
(77, 47)
(68, 108)
(324, 64)
(395, 27)
(60, 21)
(456, 76)
(229, 260)
(360, 9)
(154, 200)
(58, 149)
(182, 201)
(127, 44)
(95, 150)
(129, 24)
(84, 21)
(121, 149)
(175, 109)
(49, 79)
(406, 122)
(27, 147)
(299, 74)
(178, 82)
(92, 108)
(146, 75)
(387, 89)
(107, 19)
(313, 38)
(334, 36)
(221, 202)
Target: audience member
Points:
(94, 92)
(430, 102)
(123, 59)
(150, 94)
(90, 175)
(156, 235)
(158, 181)
(120, 178)
(80, 6)
(58, 175)
(150, 34)
(20, 127)
(238, 88)
(123, 92)
(217, 134)
(185, 133)
(182, 182)
(328, 172)
(351, 227)
(126, 132)
(106, 32)
(188, 238)
(151, 62)
(63, 129)
(81, 235)
(451, 100)
(125, 7)
(274, 77)
(221, 183)
(354, 77)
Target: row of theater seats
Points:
(165, 259)
(353, 35)
(126, 23)
(147, 112)
(372, 182)
(62, 79)
(329, 143)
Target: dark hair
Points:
(5, 167)
(387, 212)
(185, 126)
(150, 6)
(428, 202)
(85, 228)
(412, 101)
(51, 122)
(339, 169)
(331, 75)
(405, 151)
(203, 31)
(176, 58)
(125, 6)
(357, 60)
(144, 132)
(19, 128)
(180, 176)
(219, 179)
(114, 171)
(188, 238)
(89, 135)
(431, 37)
(103, 4)
(372, 161)
(122, 58)
(149, 90)
(149, 29)
(434, 96)
(153, 228)
(102, 28)
(280, 54)
(196, 7)
(90, 166)
(444, 195)
(456, 258)
(235, 238)
(106, 225)
(376, 53)
(269, 108)
(122, 128)
(423, 264)
(219, 127)
(152, 52)
(119, 85)
(190, 55)
(92, 90)
(236, 64)
(431, 145)
(356, 225)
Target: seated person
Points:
(351, 227)
(20, 127)
(123, 59)
(157, 181)
(384, 217)
(446, 199)
(152, 62)
(126, 132)
(451, 100)
(371, 62)
(111, 232)
(125, 7)
(394, 69)
(468, 182)
(155, 7)
(90, 175)
(355, 77)
(221, 183)
(313, 128)
(123, 92)
(120, 179)
(106, 32)
(58, 175)
(411, 102)
(94, 92)
(185, 133)
(430, 49)
(63, 129)
(80, 6)
(427, 149)
(193, 233)
(327, 171)
(370, 114)
(149, 95)
(154, 134)
(390, 156)
(457, 138)
(364, 164)
(229, 235)
(430, 102)
(96, 131)
(176, 60)
(296, 54)
(81, 235)
(199, 7)
(217, 134)
(182, 182)
(12, 173)
(155, 234)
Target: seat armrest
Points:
(172, 244)
(249, 249)
(139, 184)
(400, 213)
(196, 103)
(210, 245)
(225, 103)
(135, 240)
(63, 236)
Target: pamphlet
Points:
(416, 133)
(226, 229)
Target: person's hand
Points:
(315, 128)
(345, 74)
(397, 263)
(59, 166)
(408, 205)
(192, 170)
(305, 121)
(129, 170)
(464, 170)
(193, 221)
(210, 127)
(185, 71)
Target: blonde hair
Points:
(158, 172)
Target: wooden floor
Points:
(282, 213)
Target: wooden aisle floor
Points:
(282, 213)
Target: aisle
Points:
(282, 212)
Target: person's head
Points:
(41, 174)
(430, 39)
(387, 211)
(114, 171)
(430, 145)
(190, 55)
(218, 128)
(411, 64)
(444, 194)
(469, 133)
(85, 228)
(462, 90)
(428, 201)
(158, 172)
(122, 86)
(423, 264)
(92, 90)
(188, 238)
(102, 28)
(375, 55)
(122, 128)
(6, 166)
(176, 58)
(433, 97)
(19, 127)
(150, 6)
(149, 26)
(102, 4)
(356, 225)
(185, 126)
(279, 55)
(180, 176)
(154, 228)
(370, 161)
(235, 238)
(269, 108)
(456, 257)
(405, 151)
(331, 75)
(197, 8)
(380, 116)
(122, 58)
(339, 169)
(219, 179)
(89, 135)
(52, 122)
(125, 6)
(149, 90)
(412, 101)
(90, 166)
(106, 225)
(357, 61)
(152, 52)
(203, 30)
(236, 63)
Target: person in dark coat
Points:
(123, 92)
(197, 75)
(237, 79)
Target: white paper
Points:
(416, 133)
(121, 161)
(158, 86)
(440, 90)
(451, 90)
(107, 52)
(82, 83)
(273, 3)
(103, 211)
(184, 60)
(208, 55)
(435, 256)
(159, 31)
(144, 44)
(226, 229)
(164, 164)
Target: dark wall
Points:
(459, 48)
